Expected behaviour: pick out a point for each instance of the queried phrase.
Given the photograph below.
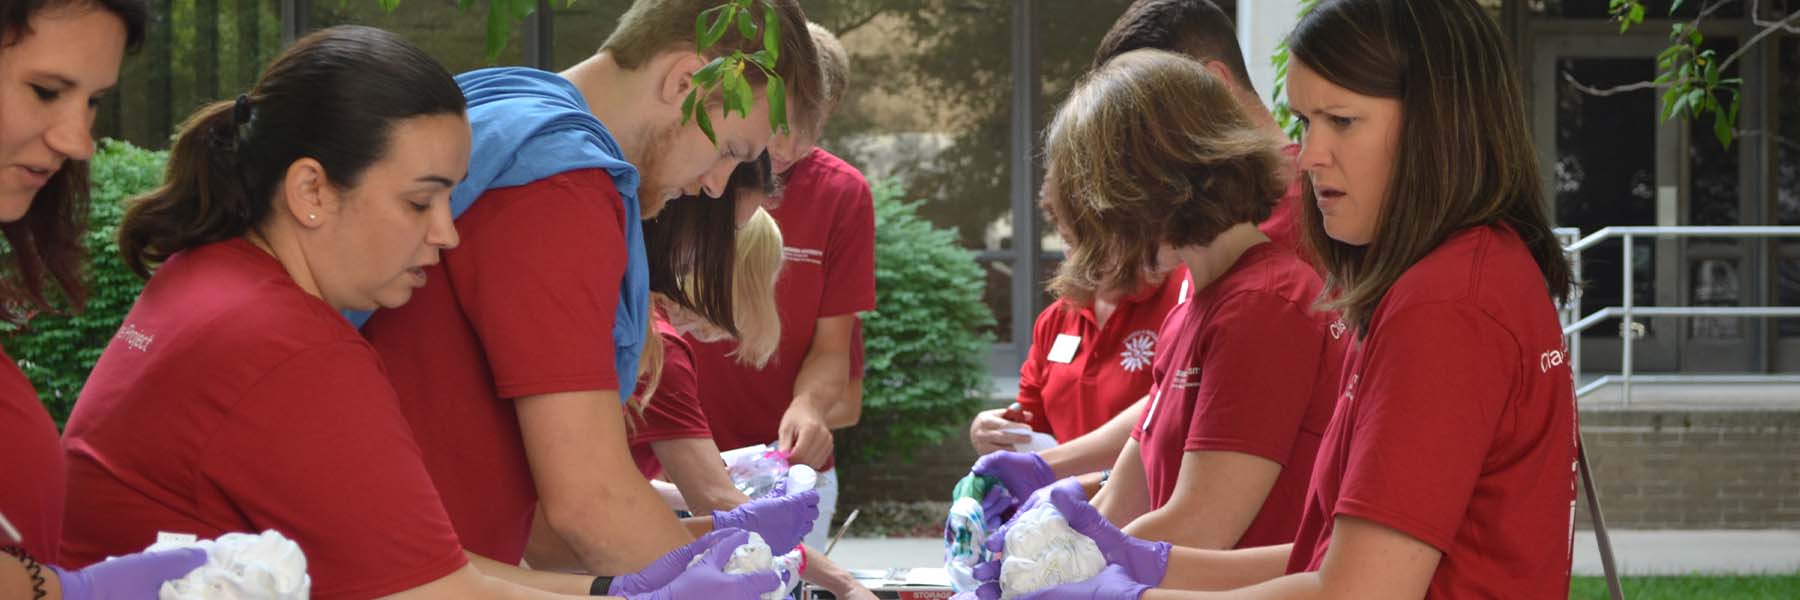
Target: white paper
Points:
(1063, 350)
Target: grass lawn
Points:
(1693, 587)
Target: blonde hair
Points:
(759, 260)
(650, 367)
(1151, 149)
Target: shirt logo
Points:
(1140, 347)
(1338, 328)
(1186, 378)
(1350, 388)
(805, 255)
(1552, 359)
(134, 339)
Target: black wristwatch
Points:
(602, 586)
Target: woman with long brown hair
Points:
(1448, 470)
(58, 58)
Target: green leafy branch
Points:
(1283, 114)
(725, 74)
(1691, 77)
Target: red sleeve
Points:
(1428, 400)
(538, 277)
(318, 450)
(1258, 357)
(1035, 371)
(850, 254)
(674, 413)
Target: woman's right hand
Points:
(1144, 561)
(708, 579)
(138, 575)
(988, 431)
(672, 565)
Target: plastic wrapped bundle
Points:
(1042, 551)
(242, 566)
(763, 472)
(755, 556)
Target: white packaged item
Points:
(240, 566)
(1039, 442)
(1042, 551)
(755, 556)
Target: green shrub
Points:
(57, 350)
(927, 340)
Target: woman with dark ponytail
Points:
(57, 59)
(236, 397)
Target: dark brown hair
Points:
(651, 27)
(692, 246)
(1196, 28)
(334, 96)
(46, 241)
(1465, 155)
(1150, 149)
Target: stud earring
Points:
(312, 216)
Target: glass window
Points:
(1605, 174)
(196, 51)
(1787, 181)
(1715, 271)
(455, 37)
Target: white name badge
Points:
(1063, 351)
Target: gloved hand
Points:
(1144, 561)
(708, 579)
(672, 565)
(1113, 583)
(781, 521)
(1021, 472)
(132, 576)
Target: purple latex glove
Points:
(782, 521)
(708, 579)
(1021, 472)
(672, 565)
(1144, 561)
(133, 576)
(1113, 583)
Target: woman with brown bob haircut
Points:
(1448, 469)
(1151, 157)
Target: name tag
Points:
(1063, 351)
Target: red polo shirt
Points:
(1457, 425)
(674, 411)
(1109, 369)
(523, 307)
(1248, 368)
(233, 401)
(32, 495)
(827, 219)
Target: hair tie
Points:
(240, 111)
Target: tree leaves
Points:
(725, 74)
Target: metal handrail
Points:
(1574, 323)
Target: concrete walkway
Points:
(1638, 552)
